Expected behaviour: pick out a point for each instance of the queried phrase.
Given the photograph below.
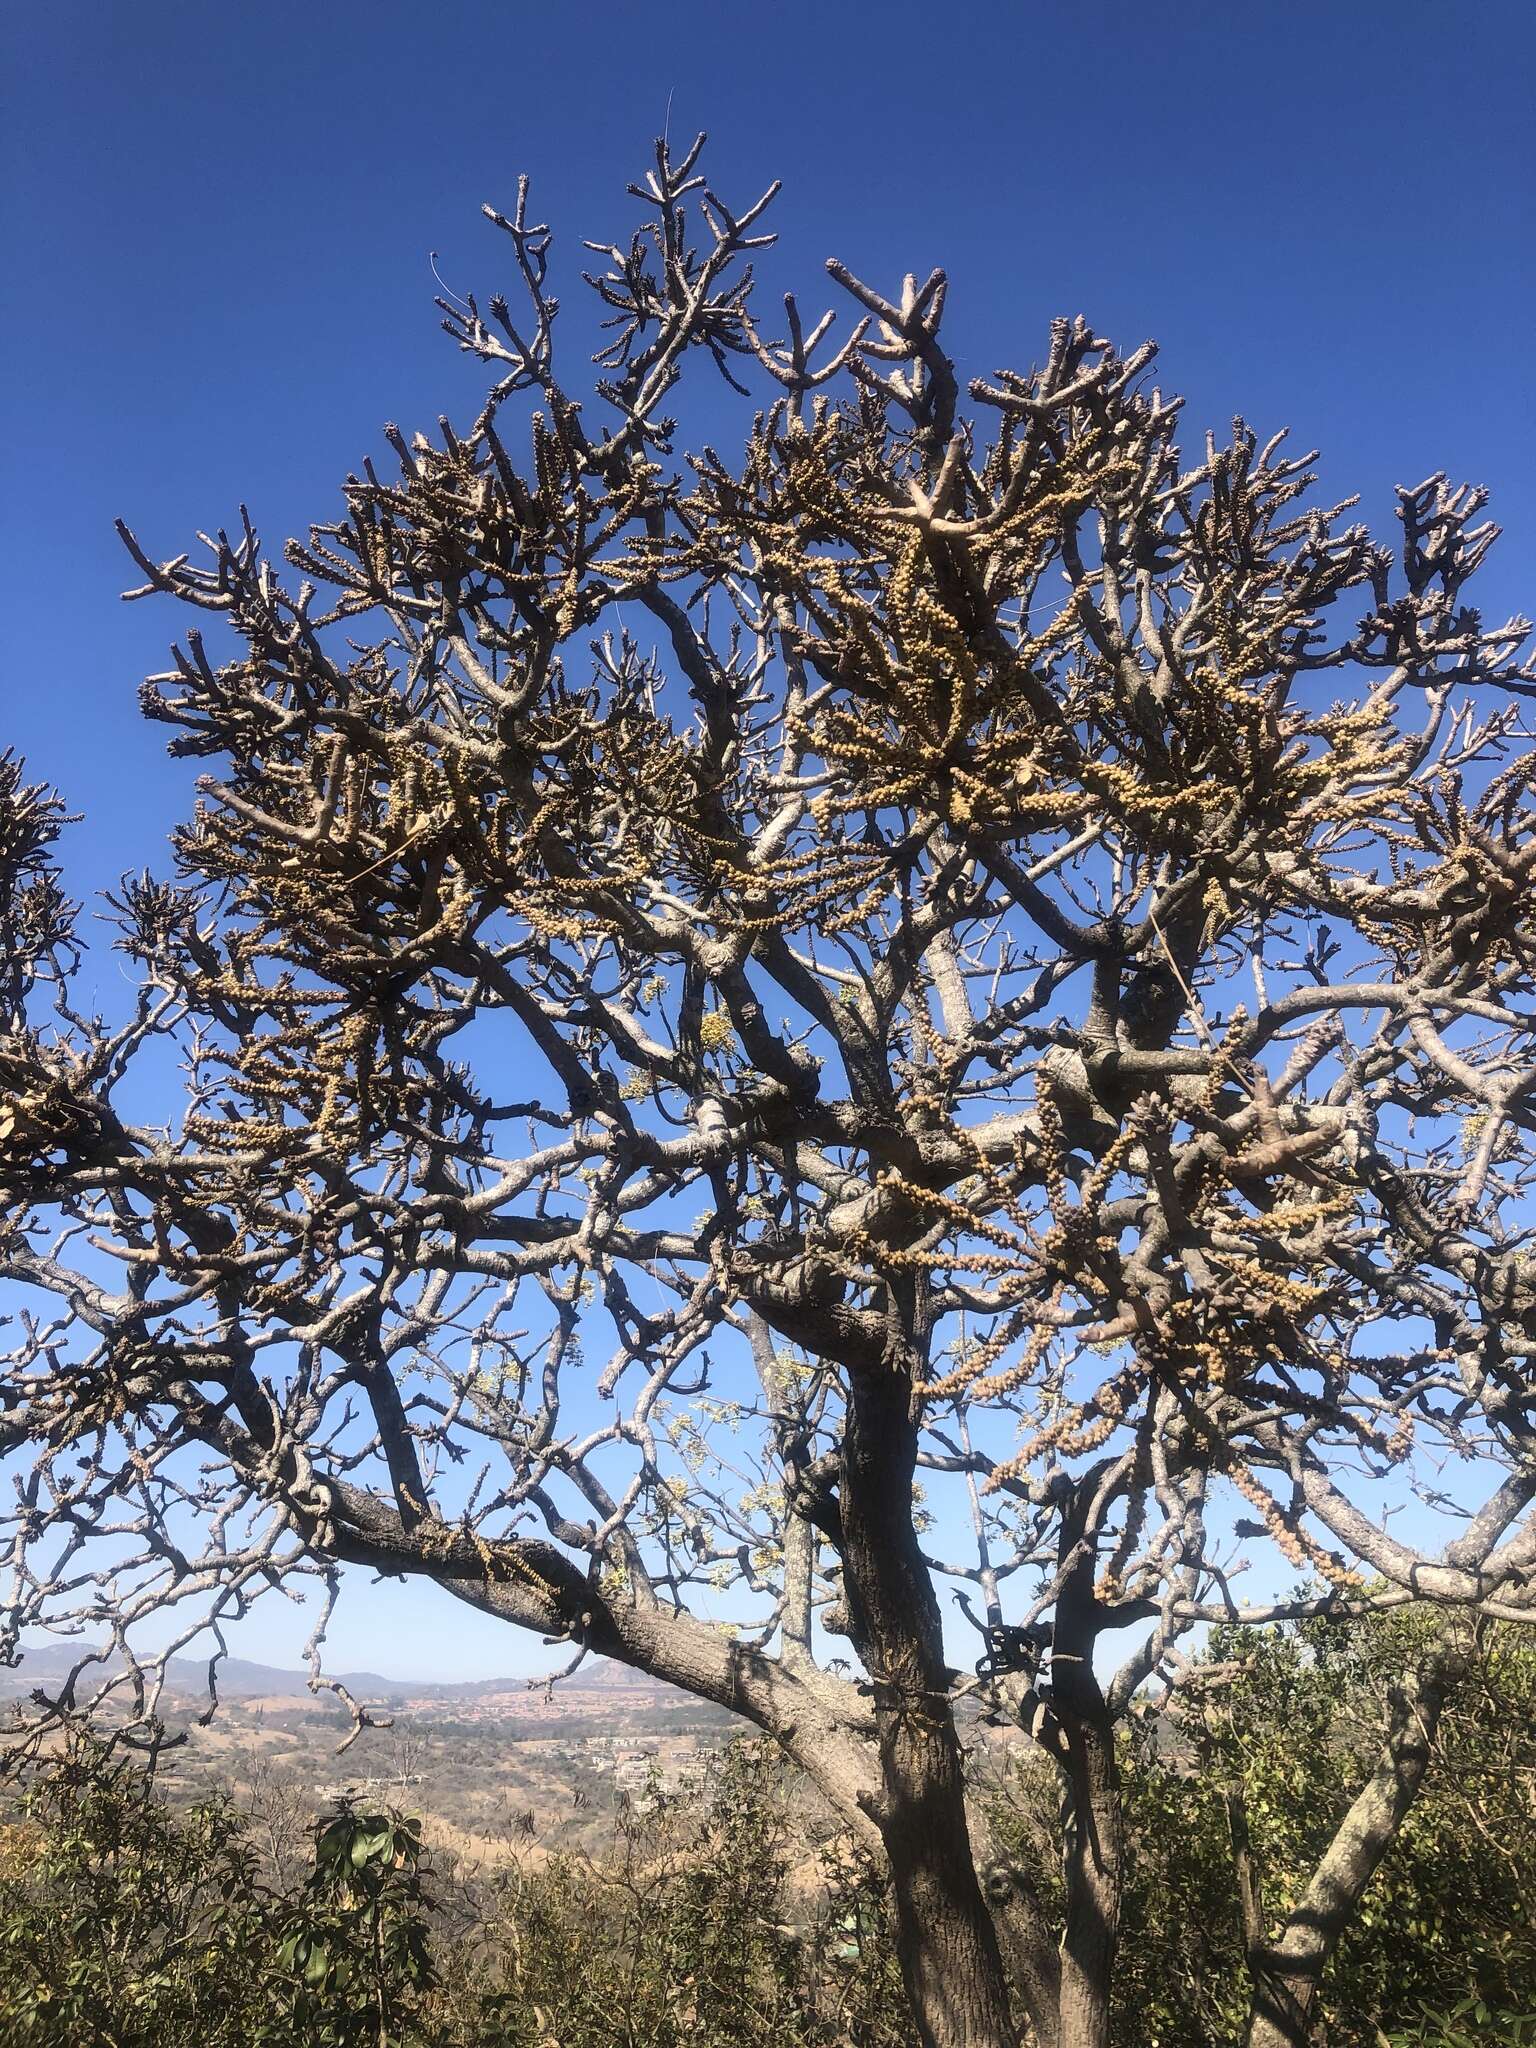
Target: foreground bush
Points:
(1442, 1952)
(125, 1923)
(703, 1924)
(122, 1922)
(725, 1915)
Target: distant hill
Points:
(48, 1664)
(601, 1674)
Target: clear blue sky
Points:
(217, 220)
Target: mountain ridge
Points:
(241, 1678)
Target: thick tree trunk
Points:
(949, 1953)
(1288, 1972)
(1094, 1862)
(1093, 1824)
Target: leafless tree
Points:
(980, 968)
(407, 1754)
(282, 1815)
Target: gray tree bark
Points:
(1093, 1842)
(950, 1958)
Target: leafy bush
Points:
(1472, 2024)
(1448, 1924)
(719, 1916)
(354, 1953)
(694, 1929)
(127, 1924)
(122, 1922)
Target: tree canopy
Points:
(938, 1001)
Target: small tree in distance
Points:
(938, 1004)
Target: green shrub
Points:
(693, 1930)
(725, 1914)
(1448, 1923)
(354, 1961)
(122, 1923)
(127, 1924)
